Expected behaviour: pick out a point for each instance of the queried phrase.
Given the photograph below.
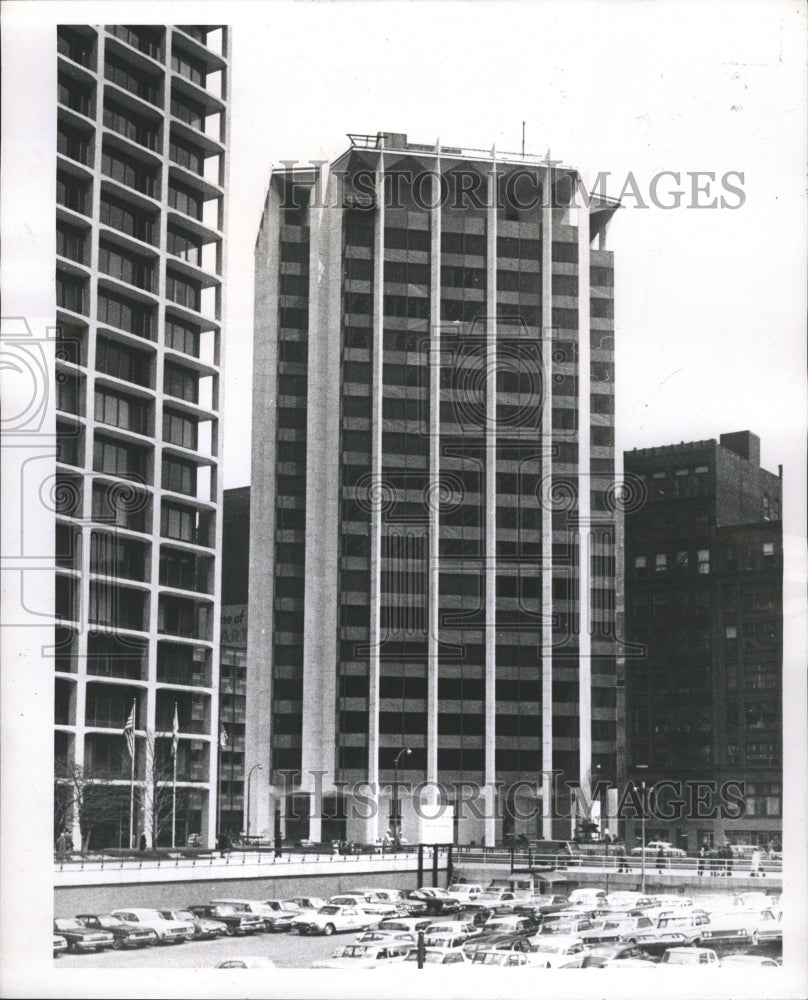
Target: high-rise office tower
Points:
(433, 583)
(704, 600)
(141, 213)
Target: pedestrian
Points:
(660, 860)
(620, 851)
(755, 864)
(729, 856)
(700, 862)
(712, 862)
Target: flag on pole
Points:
(175, 733)
(223, 739)
(129, 732)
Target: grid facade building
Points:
(433, 532)
(141, 176)
(704, 574)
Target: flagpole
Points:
(218, 787)
(174, 784)
(132, 781)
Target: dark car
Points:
(429, 901)
(497, 942)
(126, 935)
(597, 957)
(478, 915)
(81, 938)
(235, 922)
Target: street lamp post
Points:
(255, 767)
(642, 767)
(396, 814)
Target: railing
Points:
(209, 858)
(609, 861)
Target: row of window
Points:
(680, 562)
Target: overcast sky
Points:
(709, 302)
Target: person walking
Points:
(729, 856)
(755, 864)
(660, 860)
(700, 862)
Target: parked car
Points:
(690, 956)
(247, 962)
(236, 922)
(331, 918)
(439, 956)
(407, 924)
(366, 956)
(465, 892)
(391, 897)
(586, 897)
(457, 928)
(204, 927)
(602, 954)
(377, 935)
(561, 923)
(509, 960)
(686, 927)
(496, 942)
(367, 903)
(305, 902)
(257, 907)
(167, 931)
(511, 924)
(751, 961)
(81, 938)
(742, 925)
(617, 929)
(126, 935)
(543, 905)
(282, 913)
(59, 944)
(561, 952)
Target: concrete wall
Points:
(70, 900)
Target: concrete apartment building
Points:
(704, 574)
(433, 575)
(141, 178)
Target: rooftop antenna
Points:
(523, 140)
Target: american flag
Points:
(175, 733)
(129, 732)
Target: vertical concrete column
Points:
(434, 478)
(322, 500)
(260, 618)
(377, 353)
(490, 527)
(584, 511)
(546, 512)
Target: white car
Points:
(366, 956)
(587, 897)
(690, 956)
(440, 956)
(247, 962)
(364, 902)
(565, 952)
(751, 961)
(465, 892)
(331, 918)
(167, 931)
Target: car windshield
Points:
(328, 909)
(224, 911)
(109, 921)
(69, 924)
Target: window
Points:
(70, 293)
(75, 95)
(185, 247)
(184, 293)
(181, 382)
(660, 562)
(704, 561)
(185, 199)
(178, 522)
(682, 560)
(121, 362)
(186, 155)
(640, 562)
(125, 266)
(75, 145)
(130, 125)
(188, 111)
(72, 193)
(130, 172)
(178, 476)
(118, 459)
(118, 215)
(125, 314)
(768, 549)
(731, 632)
(123, 75)
(701, 470)
(192, 69)
(118, 411)
(182, 337)
(179, 430)
(70, 242)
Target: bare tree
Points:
(155, 791)
(83, 799)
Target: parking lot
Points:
(286, 950)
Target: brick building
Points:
(704, 596)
